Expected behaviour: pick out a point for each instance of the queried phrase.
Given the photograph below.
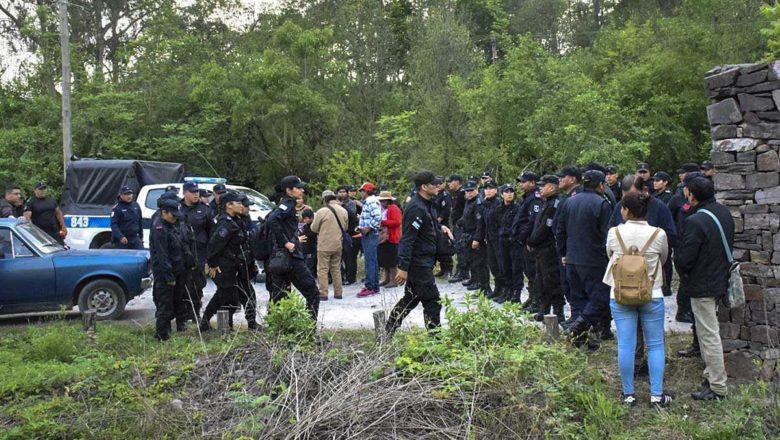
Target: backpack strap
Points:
(722, 234)
(620, 241)
(649, 242)
(338, 222)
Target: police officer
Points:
(126, 228)
(417, 255)
(475, 249)
(487, 234)
(530, 207)
(216, 204)
(569, 179)
(661, 188)
(283, 225)
(510, 256)
(227, 257)
(168, 267)
(247, 297)
(583, 223)
(542, 241)
(613, 182)
(458, 195)
(199, 219)
(443, 204)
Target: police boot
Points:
(458, 277)
(496, 293)
(502, 295)
(558, 310)
(539, 316)
(204, 324)
(578, 331)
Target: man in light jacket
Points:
(329, 222)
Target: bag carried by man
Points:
(633, 282)
(736, 292)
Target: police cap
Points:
(455, 178)
(611, 169)
(595, 176)
(220, 189)
(507, 188)
(246, 201)
(171, 206)
(528, 176)
(40, 185)
(642, 166)
(191, 187)
(691, 176)
(491, 184)
(230, 196)
(125, 190)
(662, 175)
(570, 170)
(689, 167)
(291, 182)
(204, 193)
(470, 185)
(486, 175)
(549, 178)
(706, 165)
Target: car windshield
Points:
(39, 239)
(262, 203)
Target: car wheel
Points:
(106, 297)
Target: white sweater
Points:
(637, 233)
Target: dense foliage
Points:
(349, 89)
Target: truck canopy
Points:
(92, 185)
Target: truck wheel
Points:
(106, 297)
(108, 245)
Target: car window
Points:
(152, 196)
(6, 248)
(21, 249)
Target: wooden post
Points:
(551, 327)
(223, 321)
(379, 325)
(89, 321)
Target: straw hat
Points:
(386, 195)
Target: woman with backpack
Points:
(637, 253)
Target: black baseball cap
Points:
(230, 196)
(219, 189)
(40, 185)
(171, 206)
(438, 180)
(172, 188)
(689, 167)
(549, 178)
(246, 201)
(570, 170)
(491, 184)
(125, 190)
(662, 175)
(691, 175)
(291, 182)
(642, 166)
(191, 187)
(204, 193)
(594, 176)
(486, 174)
(706, 165)
(470, 185)
(507, 188)
(528, 176)
(611, 169)
(424, 178)
(455, 177)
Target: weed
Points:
(290, 322)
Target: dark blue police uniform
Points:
(126, 222)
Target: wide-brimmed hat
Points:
(386, 195)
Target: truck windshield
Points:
(262, 203)
(39, 239)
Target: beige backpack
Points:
(633, 283)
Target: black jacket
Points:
(543, 235)
(581, 229)
(458, 203)
(126, 221)
(227, 248)
(8, 210)
(487, 220)
(506, 215)
(283, 224)
(701, 259)
(617, 191)
(200, 218)
(530, 207)
(443, 203)
(664, 195)
(468, 222)
(165, 250)
(419, 235)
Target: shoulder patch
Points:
(549, 222)
(223, 232)
(417, 223)
(282, 207)
(536, 208)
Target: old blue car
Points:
(37, 274)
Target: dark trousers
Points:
(493, 254)
(462, 267)
(248, 299)
(478, 266)
(134, 242)
(668, 274)
(420, 288)
(548, 278)
(530, 273)
(300, 277)
(349, 257)
(586, 287)
(226, 296)
(505, 263)
(168, 304)
(683, 302)
(193, 294)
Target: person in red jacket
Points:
(391, 234)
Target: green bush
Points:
(290, 322)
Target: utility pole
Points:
(493, 49)
(65, 51)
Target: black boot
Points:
(578, 331)
(204, 324)
(539, 316)
(558, 310)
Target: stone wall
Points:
(744, 115)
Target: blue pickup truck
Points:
(37, 274)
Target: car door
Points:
(27, 280)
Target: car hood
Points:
(107, 253)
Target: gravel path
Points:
(351, 312)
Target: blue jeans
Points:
(652, 317)
(370, 246)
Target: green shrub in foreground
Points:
(289, 320)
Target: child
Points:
(309, 243)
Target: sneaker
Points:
(692, 351)
(706, 395)
(661, 401)
(628, 399)
(367, 292)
